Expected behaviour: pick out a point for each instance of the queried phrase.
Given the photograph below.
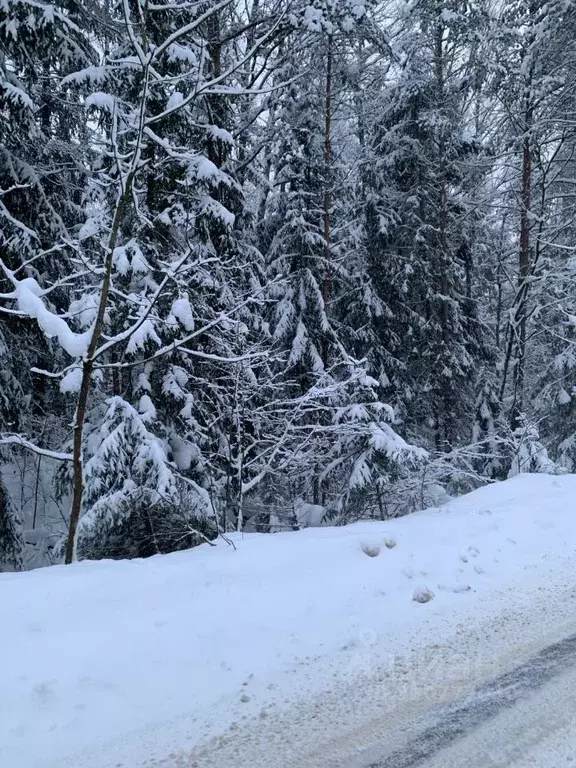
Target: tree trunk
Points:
(524, 272)
(327, 288)
(327, 201)
(86, 382)
(444, 419)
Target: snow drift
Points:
(107, 663)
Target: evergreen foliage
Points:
(264, 256)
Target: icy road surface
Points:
(525, 717)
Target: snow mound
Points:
(127, 662)
(423, 595)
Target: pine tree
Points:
(136, 504)
(11, 536)
(535, 92)
(42, 175)
(175, 303)
(420, 227)
(305, 240)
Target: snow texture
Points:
(28, 294)
(269, 647)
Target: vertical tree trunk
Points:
(238, 477)
(124, 196)
(216, 104)
(86, 382)
(524, 273)
(327, 287)
(444, 421)
(327, 202)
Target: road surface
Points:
(526, 717)
(496, 694)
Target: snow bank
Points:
(124, 662)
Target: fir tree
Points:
(11, 536)
(420, 228)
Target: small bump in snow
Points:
(423, 595)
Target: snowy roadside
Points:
(291, 649)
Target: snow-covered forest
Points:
(268, 263)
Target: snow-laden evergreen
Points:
(11, 537)
(271, 256)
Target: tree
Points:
(11, 537)
(422, 228)
(131, 305)
(535, 97)
(305, 239)
(136, 503)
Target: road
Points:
(526, 717)
(499, 692)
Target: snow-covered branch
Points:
(18, 440)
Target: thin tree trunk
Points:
(327, 201)
(85, 385)
(36, 487)
(327, 288)
(239, 428)
(444, 419)
(88, 365)
(524, 271)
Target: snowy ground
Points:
(292, 649)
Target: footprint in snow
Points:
(44, 692)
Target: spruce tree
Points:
(11, 536)
(421, 228)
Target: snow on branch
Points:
(24, 443)
(28, 294)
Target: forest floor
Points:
(293, 649)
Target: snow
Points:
(424, 595)
(144, 334)
(309, 515)
(220, 134)
(72, 381)
(204, 168)
(138, 262)
(17, 95)
(28, 295)
(129, 257)
(175, 100)
(279, 641)
(146, 409)
(525, 719)
(181, 53)
(87, 75)
(90, 228)
(85, 309)
(182, 453)
(121, 260)
(101, 100)
(182, 311)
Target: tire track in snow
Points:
(487, 701)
